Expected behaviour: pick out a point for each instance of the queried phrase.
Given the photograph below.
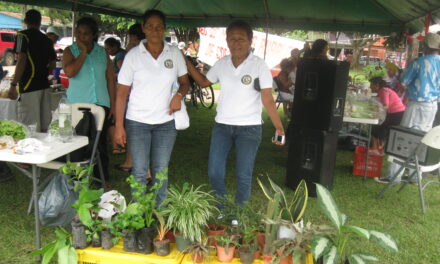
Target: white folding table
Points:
(56, 149)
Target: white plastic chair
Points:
(431, 140)
(99, 115)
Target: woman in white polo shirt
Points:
(246, 85)
(150, 69)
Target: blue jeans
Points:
(150, 146)
(246, 140)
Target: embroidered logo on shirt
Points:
(246, 79)
(168, 63)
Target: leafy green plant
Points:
(77, 173)
(226, 241)
(200, 248)
(145, 196)
(332, 247)
(280, 208)
(162, 228)
(189, 209)
(13, 129)
(62, 246)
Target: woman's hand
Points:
(81, 45)
(175, 103)
(119, 136)
(279, 132)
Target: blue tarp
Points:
(8, 22)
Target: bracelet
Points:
(179, 93)
(13, 84)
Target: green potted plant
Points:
(145, 197)
(226, 245)
(199, 251)
(279, 208)
(126, 224)
(161, 244)
(332, 247)
(189, 209)
(62, 246)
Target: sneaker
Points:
(384, 180)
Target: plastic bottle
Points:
(65, 119)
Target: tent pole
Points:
(266, 12)
(336, 47)
(265, 42)
(74, 13)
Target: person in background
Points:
(135, 36)
(92, 77)
(286, 85)
(319, 50)
(113, 48)
(36, 59)
(422, 79)
(191, 51)
(53, 34)
(5, 172)
(394, 107)
(182, 47)
(246, 85)
(147, 75)
(393, 75)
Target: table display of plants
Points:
(202, 228)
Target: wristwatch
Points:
(13, 84)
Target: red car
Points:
(7, 39)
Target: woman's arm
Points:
(176, 101)
(111, 85)
(285, 82)
(269, 104)
(119, 136)
(197, 76)
(71, 65)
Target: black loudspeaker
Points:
(320, 90)
(312, 157)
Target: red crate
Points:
(375, 159)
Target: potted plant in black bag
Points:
(161, 244)
(145, 198)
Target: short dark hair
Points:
(240, 24)
(318, 47)
(112, 42)
(136, 30)
(378, 80)
(89, 22)
(154, 12)
(33, 17)
(286, 63)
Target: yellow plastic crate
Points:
(213, 260)
(117, 255)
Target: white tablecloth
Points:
(8, 109)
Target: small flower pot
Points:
(79, 236)
(261, 239)
(170, 236)
(215, 230)
(106, 239)
(222, 256)
(197, 258)
(182, 243)
(129, 241)
(144, 240)
(247, 255)
(162, 247)
(267, 259)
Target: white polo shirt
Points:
(151, 82)
(239, 103)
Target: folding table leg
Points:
(419, 182)
(391, 183)
(366, 152)
(35, 177)
(405, 183)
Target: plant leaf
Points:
(299, 202)
(384, 240)
(266, 191)
(331, 257)
(355, 259)
(328, 205)
(344, 219)
(67, 255)
(320, 246)
(359, 231)
(277, 189)
(366, 257)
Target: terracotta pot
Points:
(261, 238)
(162, 247)
(215, 230)
(257, 254)
(267, 259)
(170, 236)
(197, 258)
(286, 260)
(222, 256)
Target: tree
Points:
(62, 16)
(358, 42)
(186, 34)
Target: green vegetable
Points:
(13, 129)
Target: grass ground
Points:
(397, 214)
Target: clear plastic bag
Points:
(56, 200)
(362, 106)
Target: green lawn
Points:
(397, 214)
